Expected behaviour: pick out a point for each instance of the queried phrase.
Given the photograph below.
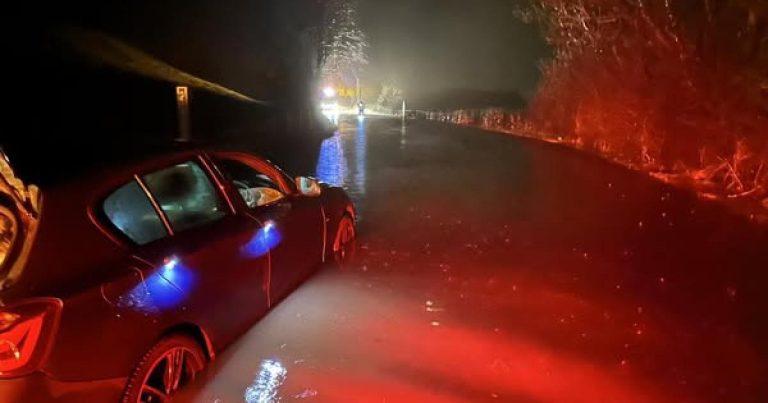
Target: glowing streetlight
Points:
(329, 92)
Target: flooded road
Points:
(495, 269)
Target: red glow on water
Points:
(542, 343)
(451, 364)
(583, 292)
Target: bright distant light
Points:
(329, 92)
(269, 226)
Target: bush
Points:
(674, 86)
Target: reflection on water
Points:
(403, 136)
(361, 148)
(332, 116)
(267, 383)
(332, 165)
(348, 147)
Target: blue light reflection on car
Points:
(263, 241)
(165, 288)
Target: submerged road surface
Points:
(496, 269)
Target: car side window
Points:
(186, 195)
(130, 211)
(256, 188)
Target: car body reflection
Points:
(166, 288)
(265, 239)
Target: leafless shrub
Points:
(677, 86)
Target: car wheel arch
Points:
(198, 333)
(337, 229)
(192, 358)
(350, 210)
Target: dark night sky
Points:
(429, 45)
(420, 45)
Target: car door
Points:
(201, 268)
(293, 231)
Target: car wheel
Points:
(344, 243)
(167, 367)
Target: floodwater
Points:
(496, 269)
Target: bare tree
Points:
(344, 46)
(669, 85)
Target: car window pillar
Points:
(155, 205)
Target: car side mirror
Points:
(309, 187)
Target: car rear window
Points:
(130, 211)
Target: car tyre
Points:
(167, 367)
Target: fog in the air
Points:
(426, 46)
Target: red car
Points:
(121, 284)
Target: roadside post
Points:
(182, 103)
